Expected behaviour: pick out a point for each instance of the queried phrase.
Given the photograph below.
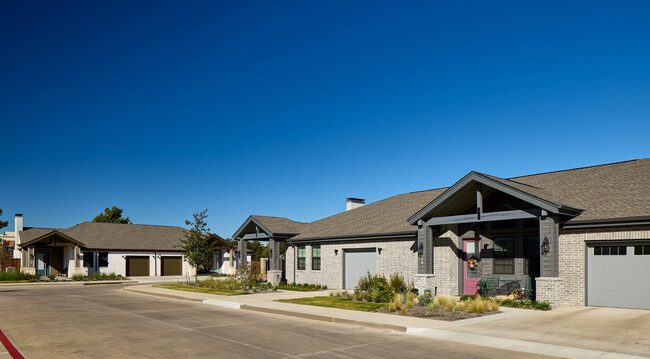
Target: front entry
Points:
(42, 262)
(471, 265)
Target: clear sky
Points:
(286, 108)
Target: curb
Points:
(242, 306)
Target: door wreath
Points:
(472, 263)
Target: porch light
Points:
(545, 246)
(336, 252)
(379, 250)
(420, 249)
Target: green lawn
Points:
(335, 302)
(200, 290)
(299, 288)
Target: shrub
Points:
(525, 304)
(398, 283)
(382, 292)
(248, 276)
(78, 277)
(17, 276)
(410, 299)
(51, 276)
(446, 301)
(424, 300)
(365, 283)
(477, 304)
(432, 306)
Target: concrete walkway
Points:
(571, 332)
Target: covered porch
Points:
(500, 235)
(52, 253)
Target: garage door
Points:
(617, 275)
(171, 265)
(356, 264)
(137, 266)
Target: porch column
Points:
(425, 279)
(242, 252)
(274, 274)
(549, 287)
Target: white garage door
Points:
(357, 264)
(617, 275)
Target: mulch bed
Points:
(439, 314)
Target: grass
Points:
(97, 276)
(525, 304)
(200, 290)
(301, 287)
(335, 302)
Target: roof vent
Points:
(352, 203)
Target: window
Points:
(302, 258)
(610, 251)
(315, 257)
(531, 255)
(504, 255)
(641, 250)
(102, 259)
(89, 259)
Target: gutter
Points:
(612, 222)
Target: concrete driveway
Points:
(606, 329)
(105, 321)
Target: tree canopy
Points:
(112, 215)
(197, 245)
(2, 224)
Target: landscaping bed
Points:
(437, 314)
(301, 287)
(202, 290)
(335, 302)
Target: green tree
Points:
(5, 256)
(112, 215)
(2, 224)
(259, 250)
(197, 246)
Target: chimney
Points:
(18, 218)
(352, 203)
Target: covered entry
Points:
(171, 265)
(137, 266)
(617, 274)
(356, 264)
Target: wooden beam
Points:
(479, 200)
(485, 217)
(258, 236)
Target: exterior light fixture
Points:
(546, 247)
(336, 252)
(420, 249)
(379, 250)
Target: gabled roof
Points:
(604, 192)
(270, 225)
(536, 196)
(95, 235)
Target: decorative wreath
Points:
(472, 263)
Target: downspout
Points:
(155, 261)
(294, 260)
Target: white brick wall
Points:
(397, 256)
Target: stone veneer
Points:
(549, 289)
(397, 256)
(573, 256)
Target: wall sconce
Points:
(31, 255)
(420, 249)
(379, 250)
(336, 252)
(546, 247)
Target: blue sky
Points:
(287, 108)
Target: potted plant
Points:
(482, 285)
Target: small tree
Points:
(2, 224)
(197, 246)
(5, 256)
(112, 215)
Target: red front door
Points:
(471, 265)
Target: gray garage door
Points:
(617, 275)
(356, 264)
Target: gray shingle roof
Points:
(280, 224)
(609, 191)
(118, 236)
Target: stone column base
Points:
(274, 276)
(28, 270)
(550, 289)
(78, 271)
(425, 281)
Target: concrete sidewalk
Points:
(572, 332)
